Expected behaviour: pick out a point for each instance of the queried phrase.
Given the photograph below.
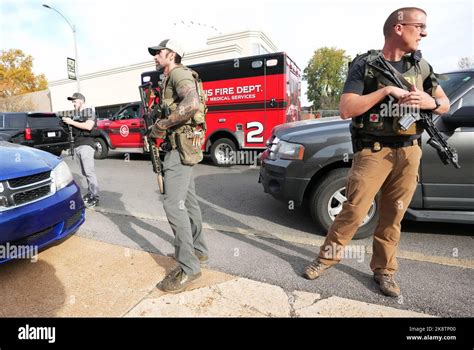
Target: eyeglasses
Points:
(420, 26)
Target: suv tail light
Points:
(27, 134)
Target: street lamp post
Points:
(73, 27)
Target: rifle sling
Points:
(406, 83)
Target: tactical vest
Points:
(382, 119)
(171, 99)
(94, 132)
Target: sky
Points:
(114, 34)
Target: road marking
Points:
(305, 238)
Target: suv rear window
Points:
(39, 120)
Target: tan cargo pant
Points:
(393, 171)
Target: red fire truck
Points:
(247, 97)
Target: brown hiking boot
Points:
(177, 280)
(387, 284)
(315, 269)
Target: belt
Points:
(377, 145)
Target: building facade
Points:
(107, 90)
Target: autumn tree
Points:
(326, 73)
(16, 74)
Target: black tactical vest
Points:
(382, 119)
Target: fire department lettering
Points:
(233, 90)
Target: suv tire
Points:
(324, 198)
(101, 148)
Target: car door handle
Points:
(134, 124)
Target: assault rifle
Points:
(71, 136)
(446, 153)
(151, 113)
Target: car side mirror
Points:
(463, 117)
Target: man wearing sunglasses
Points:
(386, 157)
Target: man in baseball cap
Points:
(81, 127)
(169, 44)
(77, 96)
(182, 98)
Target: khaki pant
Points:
(393, 171)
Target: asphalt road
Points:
(252, 235)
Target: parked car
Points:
(39, 201)
(38, 130)
(121, 132)
(308, 162)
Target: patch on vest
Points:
(374, 118)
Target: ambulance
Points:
(246, 98)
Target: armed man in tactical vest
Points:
(386, 157)
(182, 131)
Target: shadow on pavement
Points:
(125, 225)
(30, 289)
(238, 195)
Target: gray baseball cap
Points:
(77, 96)
(169, 44)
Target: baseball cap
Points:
(169, 44)
(77, 96)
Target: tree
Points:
(19, 103)
(326, 73)
(16, 74)
(465, 62)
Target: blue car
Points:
(39, 201)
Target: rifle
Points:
(150, 117)
(446, 153)
(71, 136)
(71, 142)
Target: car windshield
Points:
(456, 81)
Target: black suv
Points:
(308, 162)
(38, 130)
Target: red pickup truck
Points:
(121, 132)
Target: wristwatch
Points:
(437, 104)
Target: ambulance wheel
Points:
(101, 149)
(327, 199)
(223, 152)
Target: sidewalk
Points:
(114, 281)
